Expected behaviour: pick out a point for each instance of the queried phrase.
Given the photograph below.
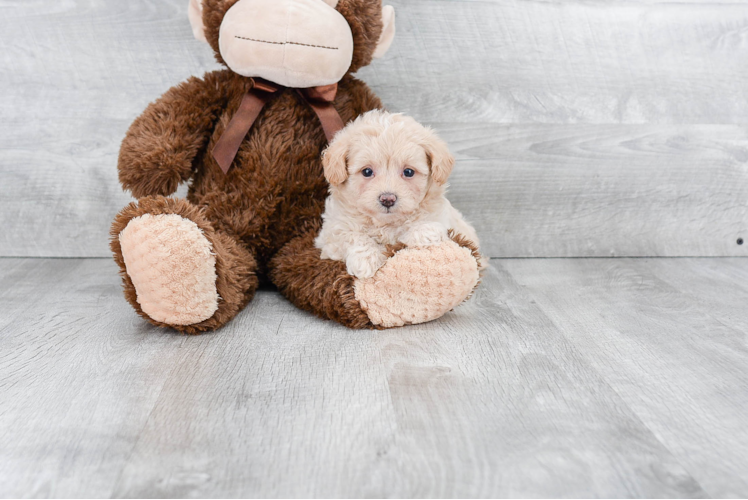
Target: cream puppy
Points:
(388, 177)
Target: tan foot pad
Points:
(418, 285)
(173, 268)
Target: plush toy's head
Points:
(294, 43)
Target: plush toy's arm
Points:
(158, 151)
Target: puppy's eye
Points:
(409, 172)
(367, 172)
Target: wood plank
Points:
(75, 74)
(677, 360)
(603, 191)
(490, 401)
(567, 61)
(721, 286)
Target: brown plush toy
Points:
(250, 138)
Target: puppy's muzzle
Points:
(388, 200)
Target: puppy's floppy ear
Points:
(335, 158)
(388, 31)
(440, 159)
(195, 13)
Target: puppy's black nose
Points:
(387, 200)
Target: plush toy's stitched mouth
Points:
(287, 43)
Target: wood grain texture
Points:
(604, 190)
(669, 337)
(75, 74)
(719, 286)
(528, 420)
(568, 61)
(559, 378)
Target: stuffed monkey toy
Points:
(249, 140)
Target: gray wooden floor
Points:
(561, 377)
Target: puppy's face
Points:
(388, 175)
(386, 166)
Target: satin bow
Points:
(320, 99)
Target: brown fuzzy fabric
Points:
(322, 287)
(161, 146)
(235, 267)
(393, 249)
(274, 192)
(213, 14)
(365, 19)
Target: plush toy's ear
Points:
(440, 159)
(388, 32)
(195, 13)
(335, 159)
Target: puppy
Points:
(388, 176)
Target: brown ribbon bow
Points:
(320, 99)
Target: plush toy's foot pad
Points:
(173, 268)
(417, 285)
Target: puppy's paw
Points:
(426, 234)
(364, 262)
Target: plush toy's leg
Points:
(322, 287)
(177, 270)
(415, 285)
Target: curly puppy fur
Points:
(274, 192)
(388, 178)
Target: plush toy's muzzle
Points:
(295, 43)
(292, 43)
